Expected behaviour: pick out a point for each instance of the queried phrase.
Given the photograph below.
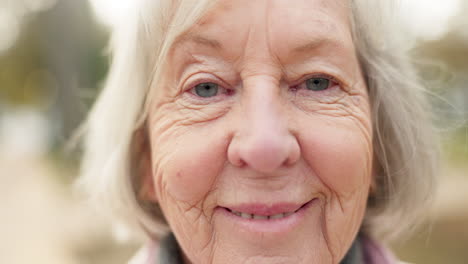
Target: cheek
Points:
(340, 154)
(188, 169)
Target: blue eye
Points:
(317, 84)
(206, 89)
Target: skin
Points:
(264, 138)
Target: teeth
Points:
(247, 216)
(277, 216)
(288, 214)
(261, 217)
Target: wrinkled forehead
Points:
(284, 26)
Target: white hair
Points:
(404, 142)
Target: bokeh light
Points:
(428, 19)
(111, 12)
(9, 29)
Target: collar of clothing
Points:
(363, 251)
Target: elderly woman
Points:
(261, 131)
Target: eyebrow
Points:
(200, 40)
(311, 45)
(314, 44)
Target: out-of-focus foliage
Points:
(56, 65)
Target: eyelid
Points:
(203, 79)
(193, 86)
(222, 90)
(304, 78)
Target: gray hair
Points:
(404, 141)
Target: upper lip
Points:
(266, 209)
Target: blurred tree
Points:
(56, 62)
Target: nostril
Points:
(263, 153)
(234, 152)
(235, 158)
(264, 146)
(294, 154)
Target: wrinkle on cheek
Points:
(165, 123)
(355, 110)
(335, 103)
(324, 201)
(341, 218)
(347, 215)
(339, 150)
(187, 167)
(345, 209)
(182, 111)
(191, 172)
(359, 100)
(194, 114)
(179, 112)
(188, 217)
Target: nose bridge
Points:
(262, 138)
(262, 109)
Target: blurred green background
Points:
(53, 62)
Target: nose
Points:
(263, 139)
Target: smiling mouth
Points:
(261, 217)
(263, 214)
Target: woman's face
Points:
(261, 134)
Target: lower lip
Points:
(281, 225)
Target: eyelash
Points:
(228, 92)
(333, 82)
(221, 87)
